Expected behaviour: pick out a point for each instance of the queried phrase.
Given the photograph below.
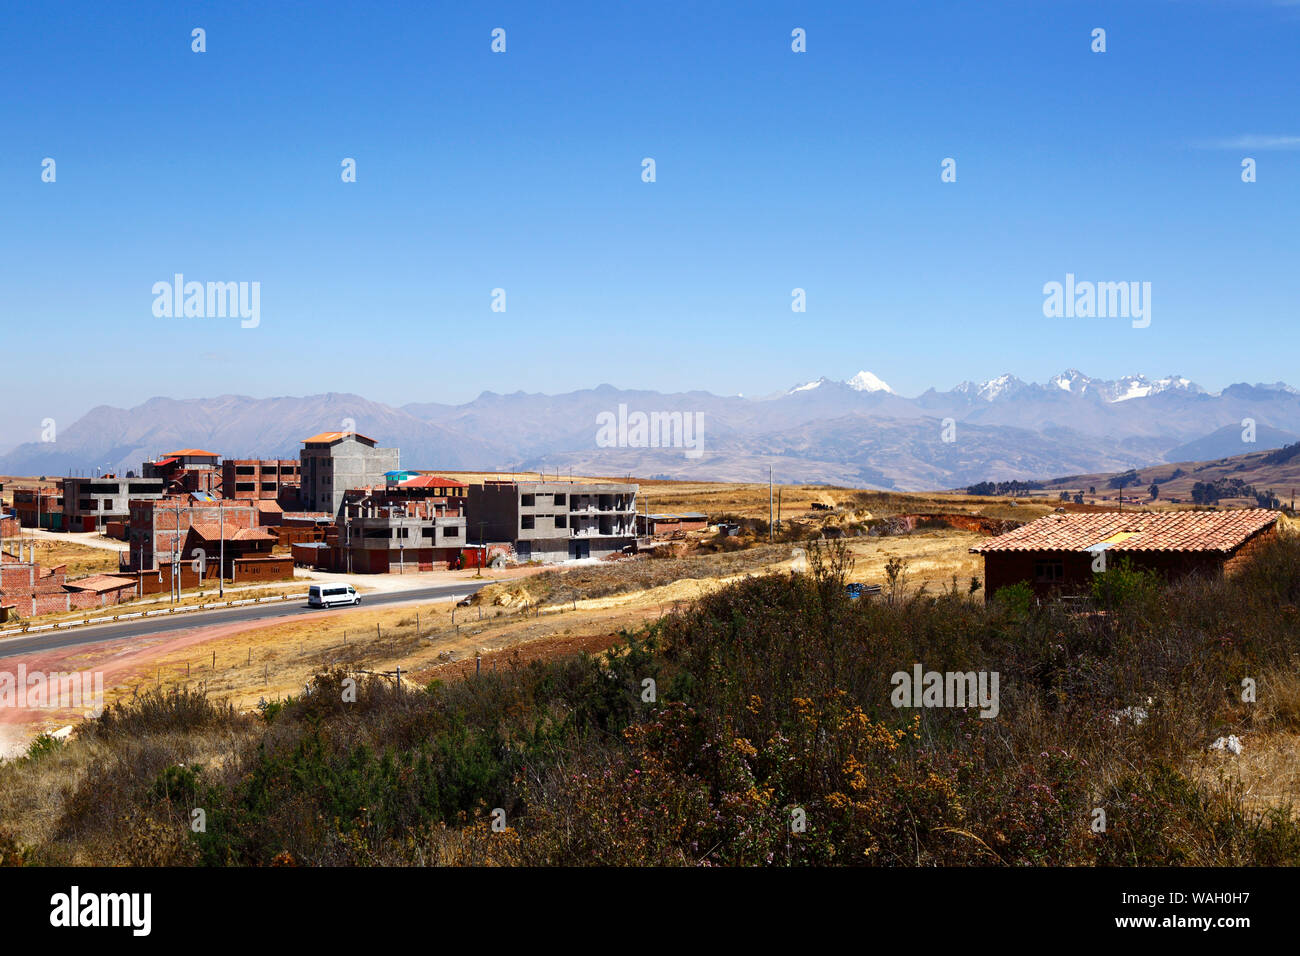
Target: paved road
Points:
(95, 633)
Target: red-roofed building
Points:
(229, 540)
(186, 470)
(115, 588)
(1058, 552)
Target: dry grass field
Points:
(551, 612)
(79, 559)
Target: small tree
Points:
(895, 578)
(1154, 491)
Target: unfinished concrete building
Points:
(555, 520)
(375, 538)
(335, 462)
(90, 503)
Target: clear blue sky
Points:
(523, 171)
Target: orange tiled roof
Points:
(1135, 531)
(100, 583)
(333, 437)
(212, 531)
(431, 481)
(193, 453)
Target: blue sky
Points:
(522, 171)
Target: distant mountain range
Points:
(858, 432)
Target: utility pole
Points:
(769, 503)
(176, 544)
(221, 560)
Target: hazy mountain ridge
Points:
(857, 432)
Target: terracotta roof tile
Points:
(211, 531)
(431, 481)
(333, 437)
(100, 583)
(1135, 531)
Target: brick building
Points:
(156, 527)
(302, 527)
(229, 541)
(28, 590)
(39, 504)
(186, 470)
(670, 525)
(273, 479)
(1056, 554)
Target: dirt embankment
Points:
(980, 524)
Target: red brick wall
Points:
(263, 471)
(311, 556)
(287, 537)
(149, 583)
(1248, 549)
(248, 570)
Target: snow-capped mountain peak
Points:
(865, 381)
(995, 388)
(808, 386)
(1073, 381)
(1139, 386)
(862, 382)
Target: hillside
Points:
(1276, 470)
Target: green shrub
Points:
(42, 745)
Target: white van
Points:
(332, 595)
